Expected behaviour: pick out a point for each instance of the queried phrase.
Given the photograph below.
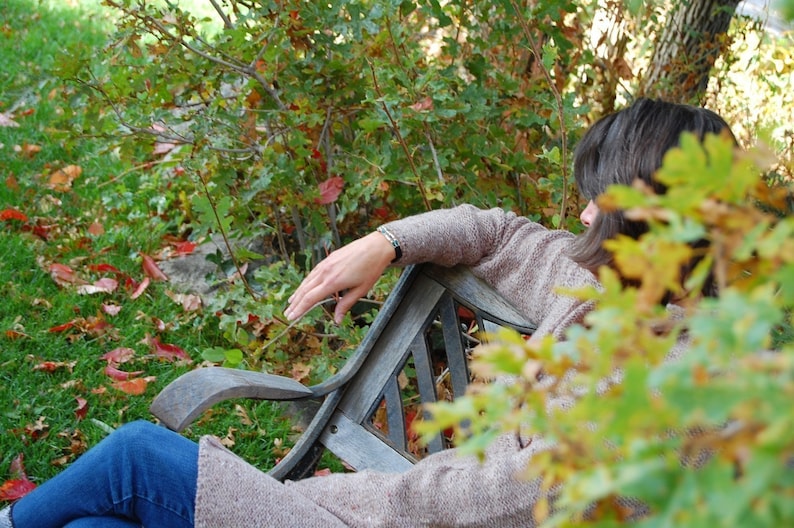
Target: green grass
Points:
(38, 40)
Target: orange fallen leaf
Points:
(13, 214)
(61, 180)
(135, 386)
(28, 150)
(96, 229)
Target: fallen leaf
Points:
(118, 355)
(52, 366)
(151, 269)
(13, 214)
(6, 121)
(184, 248)
(135, 386)
(28, 150)
(96, 229)
(104, 285)
(38, 430)
(62, 328)
(82, 408)
(190, 302)
(105, 268)
(167, 351)
(15, 334)
(120, 375)
(61, 180)
(64, 275)
(111, 309)
(140, 288)
(19, 485)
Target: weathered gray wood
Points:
(361, 448)
(388, 354)
(476, 294)
(184, 399)
(422, 295)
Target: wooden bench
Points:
(416, 351)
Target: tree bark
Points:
(694, 37)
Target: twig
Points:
(560, 109)
(226, 239)
(227, 23)
(400, 138)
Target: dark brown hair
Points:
(626, 146)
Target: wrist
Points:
(392, 240)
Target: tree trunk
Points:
(693, 39)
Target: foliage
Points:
(699, 434)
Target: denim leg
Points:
(141, 472)
(103, 522)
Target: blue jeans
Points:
(141, 474)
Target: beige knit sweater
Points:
(522, 260)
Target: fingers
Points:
(354, 268)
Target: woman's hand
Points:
(351, 270)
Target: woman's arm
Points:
(462, 235)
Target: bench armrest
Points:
(185, 398)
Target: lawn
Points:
(78, 217)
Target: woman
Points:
(144, 474)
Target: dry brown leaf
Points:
(61, 180)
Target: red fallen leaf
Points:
(64, 275)
(120, 375)
(151, 269)
(184, 248)
(62, 328)
(82, 408)
(140, 288)
(166, 351)
(330, 190)
(118, 355)
(105, 268)
(19, 486)
(322, 472)
(135, 386)
(13, 214)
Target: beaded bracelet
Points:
(398, 252)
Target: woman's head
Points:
(623, 147)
